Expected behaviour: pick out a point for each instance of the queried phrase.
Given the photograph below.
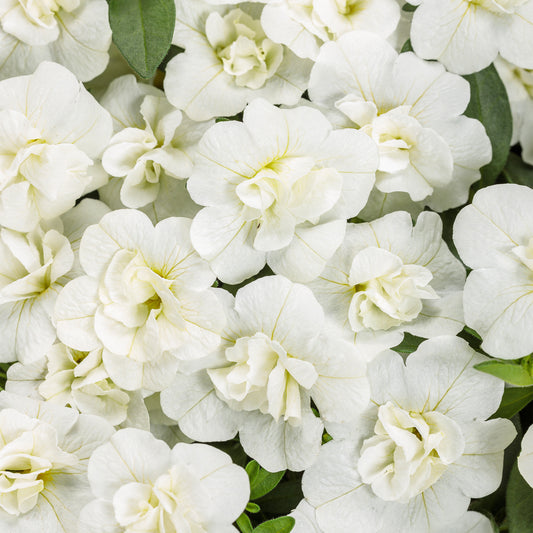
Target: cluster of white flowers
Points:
(234, 254)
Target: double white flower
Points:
(145, 300)
(229, 61)
(143, 486)
(429, 153)
(494, 236)
(75, 33)
(278, 188)
(388, 277)
(412, 462)
(274, 360)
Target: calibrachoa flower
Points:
(429, 153)
(278, 188)
(153, 140)
(75, 33)
(494, 236)
(228, 61)
(77, 379)
(525, 459)
(414, 459)
(44, 452)
(466, 35)
(52, 130)
(388, 277)
(146, 300)
(304, 25)
(143, 486)
(33, 269)
(273, 362)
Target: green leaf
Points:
(252, 507)
(407, 47)
(490, 105)
(519, 503)
(516, 171)
(142, 31)
(284, 499)
(278, 525)
(261, 481)
(516, 372)
(513, 401)
(244, 524)
(409, 344)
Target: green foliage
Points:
(244, 524)
(490, 105)
(142, 31)
(285, 498)
(519, 503)
(409, 344)
(513, 401)
(283, 524)
(516, 171)
(407, 47)
(517, 372)
(261, 481)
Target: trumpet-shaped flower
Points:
(145, 299)
(153, 141)
(77, 379)
(466, 35)
(144, 486)
(33, 269)
(75, 33)
(388, 277)
(412, 462)
(277, 188)
(304, 25)
(51, 130)
(228, 61)
(273, 362)
(43, 464)
(494, 237)
(429, 154)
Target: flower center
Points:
(387, 292)
(261, 375)
(408, 452)
(243, 48)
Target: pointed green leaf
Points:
(252, 507)
(244, 524)
(261, 481)
(510, 371)
(490, 105)
(513, 401)
(278, 525)
(519, 503)
(142, 31)
(409, 344)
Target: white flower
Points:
(77, 379)
(305, 521)
(274, 361)
(303, 25)
(411, 463)
(75, 33)
(525, 459)
(429, 154)
(143, 486)
(33, 269)
(278, 188)
(51, 130)
(388, 277)
(466, 35)
(228, 61)
(43, 464)
(152, 140)
(145, 300)
(494, 237)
